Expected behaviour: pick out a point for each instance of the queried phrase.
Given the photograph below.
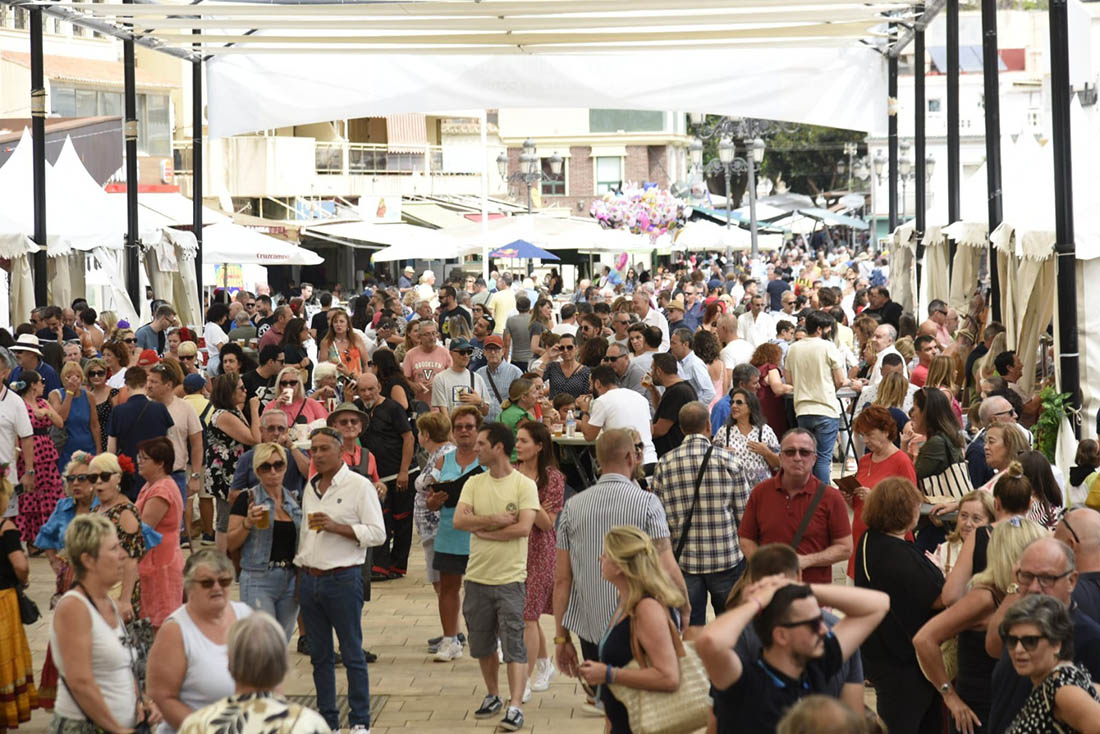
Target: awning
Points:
(431, 215)
(231, 243)
(89, 71)
(376, 236)
(407, 133)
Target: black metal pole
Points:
(1064, 245)
(38, 155)
(892, 129)
(196, 165)
(919, 152)
(130, 132)
(954, 200)
(990, 68)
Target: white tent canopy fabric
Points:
(701, 235)
(839, 87)
(231, 243)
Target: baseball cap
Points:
(461, 345)
(410, 269)
(193, 383)
(148, 357)
(493, 341)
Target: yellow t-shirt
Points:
(498, 562)
(810, 364)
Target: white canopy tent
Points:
(701, 235)
(231, 243)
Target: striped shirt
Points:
(585, 519)
(712, 542)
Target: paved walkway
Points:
(422, 695)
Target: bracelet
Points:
(759, 606)
(562, 640)
(609, 676)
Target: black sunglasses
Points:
(271, 466)
(80, 478)
(287, 383)
(186, 356)
(1065, 521)
(813, 624)
(130, 341)
(1030, 642)
(97, 373)
(225, 582)
(104, 476)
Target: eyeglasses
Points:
(1030, 642)
(271, 466)
(348, 422)
(567, 347)
(1045, 580)
(739, 402)
(287, 383)
(639, 447)
(131, 340)
(799, 452)
(186, 356)
(72, 478)
(225, 582)
(813, 624)
(103, 476)
(1064, 519)
(1010, 411)
(97, 373)
(463, 352)
(464, 426)
(493, 348)
(250, 305)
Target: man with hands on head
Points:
(800, 653)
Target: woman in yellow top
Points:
(342, 346)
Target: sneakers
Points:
(208, 539)
(434, 643)
(526, 693)
(490, 706)
(449, 649)
(544, 671)
(358, 729)
(513, 720)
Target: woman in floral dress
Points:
(124, 515)
(535, 454)
(227, 436)
(35, 507)
(95, 370)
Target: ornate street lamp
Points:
(530, 171)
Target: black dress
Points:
(974, 681)
(615, 651)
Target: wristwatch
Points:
(945, 688)
(194, 475)
(562, 640)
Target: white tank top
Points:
(110, 666)
(207, 678)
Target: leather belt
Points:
(326, 571)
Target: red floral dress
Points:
(541, 552)
(35, 507)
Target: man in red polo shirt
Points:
(776, 507)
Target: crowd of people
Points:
(767, 470)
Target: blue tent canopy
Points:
(524, 250)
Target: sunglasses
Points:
(813, 624)
(1065, 521)
(271, 466)
(287, 383)
(348, 422)
(799, 452)
(463, 352)
(567, 347)
(1045, 580)
(1030, 642)
(639, 447)
(80, 478)
(250, 305)
(186, 356)
(97, 373)
(225, 582)
(130, 341)
(492, 348)
(103, 476)
(738, 402)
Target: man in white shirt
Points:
(691, 368)
(568, 323)
(456, 385)
(883, 339)
(755, 325)
(615, 407)
(16, 432)
(651, 316)
(341, 518)
(735, 350)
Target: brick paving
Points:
(422, 695)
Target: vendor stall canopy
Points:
(816, 61)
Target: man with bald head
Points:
(1047, 566)
(388, 435)
(1080, 530)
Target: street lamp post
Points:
(905, 172)
(530, 172)
(728, 163)
(750, 132)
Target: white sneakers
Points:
(526, 693)
(544, 671)
(449, 649)
(358, 729)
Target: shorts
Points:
(221, 508)
(452, 563)
(429, 552)
(492, 613)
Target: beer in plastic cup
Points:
(264, 521)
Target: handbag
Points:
(952, 484)
(28, 610)
(672, 712)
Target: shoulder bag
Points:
(805, 523)
(673, 712)
(694, 503)
(950, 485)
(28, 610)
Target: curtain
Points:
(903, 274)
(186, 289)
(115, 296)
(66, 273)
(21, 289)
(935, 270)
(964, 275)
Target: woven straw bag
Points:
(674, 712)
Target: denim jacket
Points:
(256, 551)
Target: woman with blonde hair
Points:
(292, 399)
(75, 406)
(975, 510)
(434, 430)
(893, 394)
(941, 374)
(970, 699)
(115, 506)
(520, 404)
(646, 593)
(16, 669)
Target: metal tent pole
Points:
(954, 199)
(990, 68)
(196, 163)
(38, 155)
(130, 132)
(1064, 246)
(892, 129)
(919, 152)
